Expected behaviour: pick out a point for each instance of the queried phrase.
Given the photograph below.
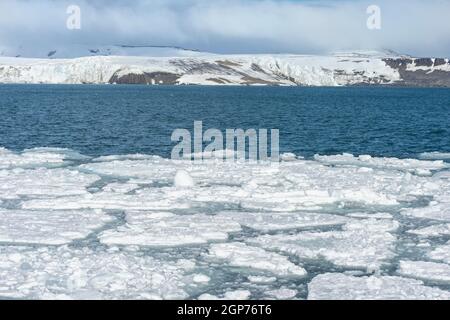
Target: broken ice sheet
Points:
(423, 270)
(362, 244)
(67, 273)
(166, 229)
(49, 227)
(337, 286)
(241, 255)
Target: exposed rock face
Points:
(153, 78)
(422, 72)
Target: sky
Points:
(417, 27)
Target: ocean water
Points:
(82, 216)
(105, 120)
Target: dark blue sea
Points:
(105, 120)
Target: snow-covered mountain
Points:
(177, 66)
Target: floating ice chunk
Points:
(379, 215)
(120, 187)
(282, 294)
(270, 221)
(207, 296)
(125, 157)
(240, 255)
(288, 157)
(373, 225)
(229, 295)
(441, 253)
(44, 182)
(215, 154)
(53, 153)
(119, 199)
(431, 271)
(49, 227)
(435, 211)
(337, 286)
(47, 273)
(435, 156)
(201, 278)
(432, 231)
(183, 180)
(237, 295)
(33, 158)
(166, 229)
(363, 245)
(261, 279)
(410, 165)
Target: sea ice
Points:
(431, 271)
(432, 231)
(44, 183)
(49, 227)
(38, 157)
(183, 180)
(282, 294)
(165, 229)
(435, 211)
(271, 221)
(361, 245)
(435, 156)
(240, 255)
(66, 273)
(441, 253)
(410, 165)
(337, 286)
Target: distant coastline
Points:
(197, 68)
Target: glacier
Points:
(122, 227)
(198, 68)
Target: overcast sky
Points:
(419, 27)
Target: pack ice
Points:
(145, 227)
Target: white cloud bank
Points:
(420, 27)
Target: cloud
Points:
(232, 26)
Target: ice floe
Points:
(166, 229)
(337, 286)
(435, 211)
(125, 224)
(423, 270)
(38, 157)
(49, 227)
(365, 244)
(44, 183)
(410, 165)
(432, 231)
(271, 221)
(435, 156)
(441, 253)
(65, 273)
(241, 255)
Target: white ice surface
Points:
(410, 165)
(435, 155)
(432, 231)
(271, 221)
(423, 270)
(337, 286)
(66, 273)
(241, 255)
(44, 183)
(363, 244)
(49, 227)
(355, 212)
(166, 229)
(441, 253)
